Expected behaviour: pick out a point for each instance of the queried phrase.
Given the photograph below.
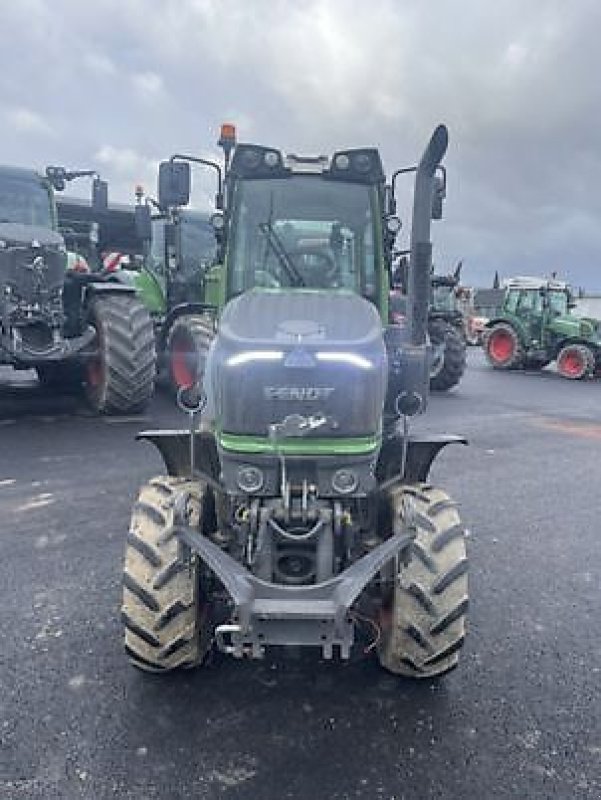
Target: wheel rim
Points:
(501, 346)
(183, 363)
(571, 364)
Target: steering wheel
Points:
(323, 273)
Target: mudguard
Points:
(421, 452)
(174, 447)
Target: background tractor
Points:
(446, 323)
(75, 328)
(299, 509)
(179, 246)
(535, 326)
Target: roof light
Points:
(227, 134)
(362, 163)
(251, 158)
(271, 158)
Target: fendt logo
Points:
(305, 394)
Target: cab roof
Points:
(20, 173)
(533, 283)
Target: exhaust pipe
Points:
(420, 259)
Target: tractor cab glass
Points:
(25, 201)
(558, 303)
(443, 298)
(190, 250)
(197, 244)
(530, 302)
(303, 232)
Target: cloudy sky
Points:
(117, 85)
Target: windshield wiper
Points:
(278, 248)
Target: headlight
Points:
(271, 158)
(250, 479)
(362, 163)
(345, 481)
(342, 161)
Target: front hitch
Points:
(276, 614)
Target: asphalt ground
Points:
(520, 717)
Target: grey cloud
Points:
(123, 83)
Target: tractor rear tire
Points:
(452, 364)
(576, 362)
(188, 342)
(165, 624)
(503, 347)
(120, 378)
(426, 621)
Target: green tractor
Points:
(535, 326)
(297, 508)
(179, 248)
(77, 329)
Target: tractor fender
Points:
(576, 340)
(178, 311)
(511, 322)
(421, 452)
(108, 287)
(174, 448)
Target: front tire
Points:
(166, 625)
(576, 362)
(451, 366)
(424, 626)
(120, 378)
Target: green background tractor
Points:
(179, 249)
(76, 329)
(535, 326)
(299, 510)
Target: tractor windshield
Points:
(192, 247)
(303, 231)
(25, 201)
(198, 244)
(443, 298)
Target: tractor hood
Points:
(15, 233)
(575, 327)
(309, 354)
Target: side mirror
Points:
(100, 195)
(174, 183)
(143, 222)
(438, 196)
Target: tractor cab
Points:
(180, 251)
(302, 223)
(304, 231)
(26, 199)
(542, 308)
